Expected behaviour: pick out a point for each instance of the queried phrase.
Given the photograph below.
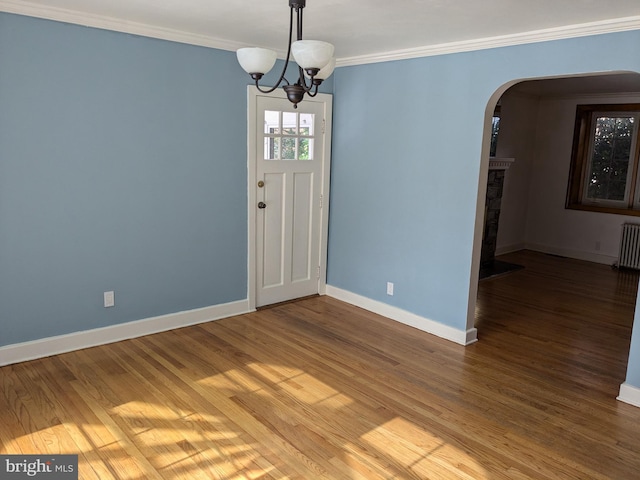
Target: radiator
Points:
(630, 246)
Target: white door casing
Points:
(289, 151)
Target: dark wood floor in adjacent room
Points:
(318, 389)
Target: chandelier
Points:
(314, 58)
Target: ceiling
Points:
(356, 27)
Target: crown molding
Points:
(119, 25)
(534, 36)
(114, 24)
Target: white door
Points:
(289, 165)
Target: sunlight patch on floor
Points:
(425, 454)
(291, 380)
(232, 381)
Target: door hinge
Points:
(318, 277)
(321, 200)
(324, 124)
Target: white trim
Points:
(326, 189)
(426, 325)
(563, 252)
(534, 36)
(514, 247)
(629, 394)
(570, 253)
(21, 352)
(252, 107)
(115, 24)
(121, 25)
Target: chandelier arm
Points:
(303, 82)
(301, 77)
(315, 91)
(286, 63)
(268, 90)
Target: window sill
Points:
(613, 210)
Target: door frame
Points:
(252, 100)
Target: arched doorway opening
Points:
(538, 118)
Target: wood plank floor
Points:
(318, 389)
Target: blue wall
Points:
(407, 150)
(122, 167)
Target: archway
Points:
(560, 95)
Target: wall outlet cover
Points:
(109, 299)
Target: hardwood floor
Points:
(320, 389)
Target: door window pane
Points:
(305, 149)
(289, 148)
(289, 123)
(271, 122)
(272, 148)
(306, 123)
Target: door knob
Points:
(262, 205)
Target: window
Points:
(495, 129)
(604, 173)
(288, 135)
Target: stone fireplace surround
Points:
(495, 184)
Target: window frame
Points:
(583, 144)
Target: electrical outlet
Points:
(109, 299)
(389, 288)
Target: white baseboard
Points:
(629, 394)
(504, 249)
(21, 352)
(430, 326)
(563, 252)
(577, 254)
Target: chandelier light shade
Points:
(256, 61)
(325, 72)
(314, 58)
(312, 54)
